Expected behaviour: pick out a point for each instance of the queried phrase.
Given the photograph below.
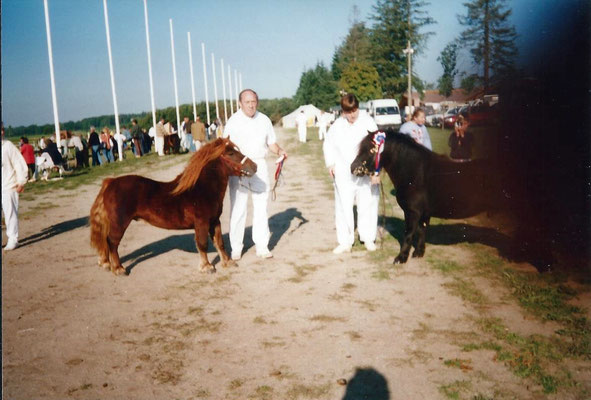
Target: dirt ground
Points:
(305, 324)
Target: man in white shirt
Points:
(14, 177)
(187, 136)
(340, 150)
(323, 122)
(253, 133)
(301, 122)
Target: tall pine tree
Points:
(448, 60)
(389, 36)
(489, 37)
(317, 87)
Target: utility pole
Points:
(409, 51)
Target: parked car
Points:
(385, 113)
(432, 117)
(449, 118)
(482, 114)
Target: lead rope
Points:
(278, 170)
(383, 227)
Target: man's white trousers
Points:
(258, 186)
(321, 132)
(349, 188)
(159, 145)
(10, 208)
(302, 133)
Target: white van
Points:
(385, 113)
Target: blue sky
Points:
(270, 42)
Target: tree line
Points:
(274, 108)
(370, 61)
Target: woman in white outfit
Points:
(340, 149)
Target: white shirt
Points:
(301, 120)
(342, 140)
(14, 167)
(252, 135)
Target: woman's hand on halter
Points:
(375, 179)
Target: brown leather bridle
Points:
(236, 167)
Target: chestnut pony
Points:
(193, 199)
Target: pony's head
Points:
(232, 160)
(367, 161)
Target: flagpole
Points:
(224, 91)
(240, 80)
(119, 141)
(215, 87)
(230, 90)
(192, 79)
(176, 90)
(205, 83)
(51, 75)
(236, 88)
(150, 65)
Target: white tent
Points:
(289, 121)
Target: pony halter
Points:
(236, 167)
(379, 138)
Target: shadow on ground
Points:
(54, 230)
(367, 383)
(279, 224)
(515, 249)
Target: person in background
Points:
(29, 155)
(159, 136)
(415, 128)
(302, 122)
(42, 143)
(136, 137)
(14, 178)
(199, 136)
(252, 131)
(95, 146)
(340, 149)
(107, 144)
(187, 136)
(147, 142)
(461, 140)
(323, 123)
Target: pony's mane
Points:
(188, 178)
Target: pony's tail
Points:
(99, 223)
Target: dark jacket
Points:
(94, 140)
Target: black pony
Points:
(427, 184)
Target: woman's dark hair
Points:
(349, 103)
(25, 140)
(416, 112)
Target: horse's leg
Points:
(201, 242)
(421, 236)
(114, 238)
(215, 231)
(411, 219)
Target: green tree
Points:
(355, 48)
(361, 79)
(389, 36)
(317, 87)
(448, 60)
(489, 37)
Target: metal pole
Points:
(51, 75)
(215, 87)
(224, 90)
(150, 65)
(240, 80)
(236, 88)
(410, 77)
(192, 79)
(230, 90)
(176, 90)
(119, 140)
(205, 82)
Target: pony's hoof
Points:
(208, 269)
(230, 263)
(119, 271)
(418, 254)
(105, 265)
(400, 260)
